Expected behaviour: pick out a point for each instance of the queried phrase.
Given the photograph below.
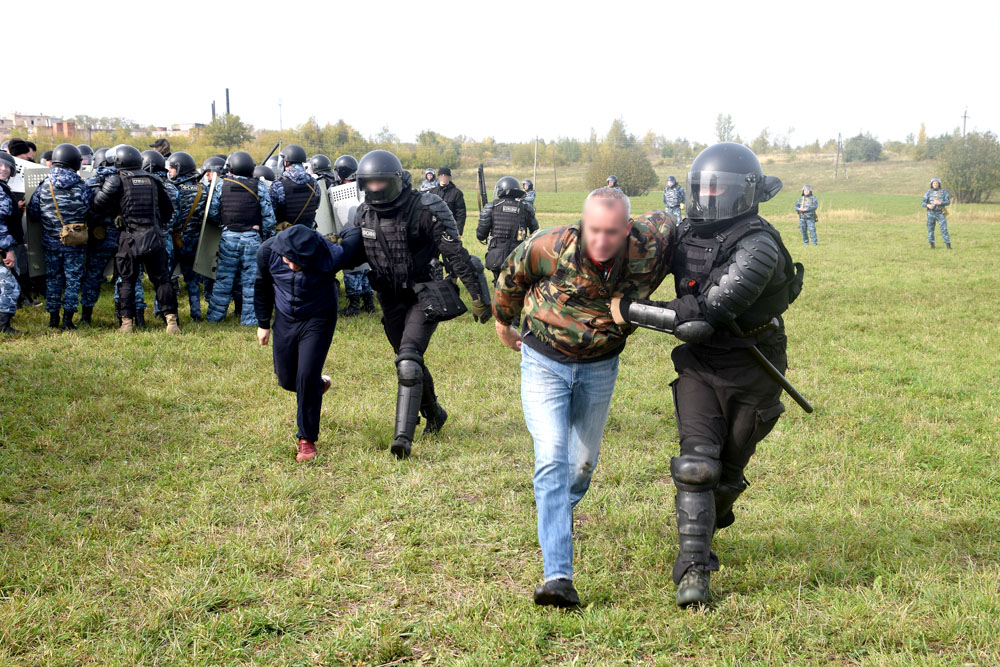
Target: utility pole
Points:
(965, 117)
(227, 101)
(213, 109)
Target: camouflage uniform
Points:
(529, 197)
(807, 218)
(238, 255)
(673, 198)
(427, 186)
(63, 264)
(9, 289)
(573, 315)
(940, 199)
(186, 227)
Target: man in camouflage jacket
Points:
(562, 280)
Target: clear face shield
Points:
(720, 195)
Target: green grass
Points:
(151, 511)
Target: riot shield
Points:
(86, 172)
(31, 178)
(325, 220)
(206, 258)
(344, 200)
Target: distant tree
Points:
(228, 131)
(725, 130)
(762, 143)
(972, 167)
(862, 148)
(620, 154)
(920, 150)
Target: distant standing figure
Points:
(673, 199)
(529, 192)
(806, 208)
(613, 183)
(936, 202)
(430, 181)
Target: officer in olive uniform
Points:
(504, 223)
(734, 278)
(402, 231)
(141, 202)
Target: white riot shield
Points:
(30, 179)
(206, 258)
(16, 180)
(325, 221)
(86, 172)
(344, 200)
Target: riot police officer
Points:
(529, 191)
(295, 196)
(154, 163)
(734, 278)
(402, 231)
(673, 199)
(186, 229)
(613, 182)
(504, 223)
(321, 168)
(141, 202)
(346, 168)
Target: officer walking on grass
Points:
(936, 202)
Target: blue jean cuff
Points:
(559, 576)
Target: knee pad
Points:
(698, 445)
(409, 369)
(695, 473)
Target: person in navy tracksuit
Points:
(296, 282)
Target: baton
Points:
(771, 370)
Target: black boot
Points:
(54, 320)
(948, 245)
(436, 417)
(353, 306)
(140, 319)
(87, 315)
(5, 327)
(725, 497)
(118, 314)
(932, 245)
(67, 323)
(557, 593)
(410, 375)
(368, 303)
(238, 306)
(695, 527)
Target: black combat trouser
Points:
(128, 265)
(300, 348)
(408, 331)
(725, 404)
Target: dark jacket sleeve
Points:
(532, 220)
(166, 205)
(106, 199)
(350, 252)
(263, 287)
(460, 212)
(485, 225)
(444, 232)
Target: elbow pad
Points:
(748, 275)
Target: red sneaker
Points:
(327, 383)
(307, 450)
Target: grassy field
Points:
(151, 511)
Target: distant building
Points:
(17, 124)
(177, 130)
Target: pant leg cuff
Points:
(553, 577)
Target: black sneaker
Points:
(557, 593)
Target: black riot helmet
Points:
(380, 167)
(346, 167)
(293, 153)
(182, 162)
(527, 185)
(241, 164)
(612, 180)
(86, 154)
(671, 181)
(127, 157)
(725, 182)
(153, 162)
(263, 171)
(508, 187)
(214, 163)
(320, 164)
(67, 156)
(8, 160)
(99, 156)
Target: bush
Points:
(862, 148)
(631, 166)
(972, 166)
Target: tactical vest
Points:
(301, 202)
(508, 221)
(700, 262)
(140, 198)
(387, 243)
(804, 201)
(239, 209)
(672, 197)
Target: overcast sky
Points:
(552, 69)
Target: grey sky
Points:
(554, 68)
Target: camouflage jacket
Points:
(673, 197)
(810, 204)
(529, 197)
(72, 203)
(932, 196)
(6, 213)
(566, 298)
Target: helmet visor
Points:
(380, 188)
(720, 195)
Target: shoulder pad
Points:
(435, 204)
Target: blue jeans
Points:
(942, 222)
(565, 408)
(237, 266)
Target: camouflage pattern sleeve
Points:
(650, 259)
(533, 260)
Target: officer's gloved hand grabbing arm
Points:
(450, 245)
(681, 317)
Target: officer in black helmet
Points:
(264, 173)
(86, 155)
(154, 163)
(734, 278)
(141, 206)
(613, 183)
(295, 196)
(321, 168)
(346, 168)
(402, 231)
(529, 191)
(192, 196)
(504, 223)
